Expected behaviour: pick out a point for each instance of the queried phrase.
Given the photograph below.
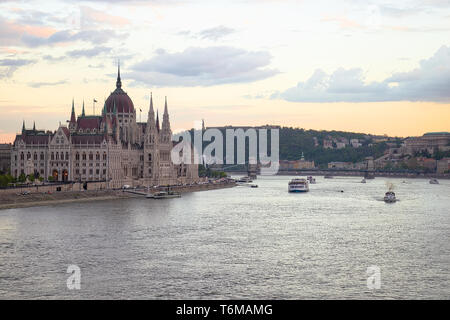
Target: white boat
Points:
(245, 180)
(164, 195)
(434, 181)
(311, 179)
(363, 180)
(389, 197)
(298, 185)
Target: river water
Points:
(240, 243)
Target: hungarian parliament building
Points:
(111, 147)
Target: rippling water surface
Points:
(236, 243)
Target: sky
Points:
(380, 67)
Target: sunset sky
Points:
(366, 66)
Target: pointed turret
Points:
(23, 126)
(72, 115)
(34, 125)
(157, 120)
(82, 112)
(151, 114)
(166, 123)
(165, 107)
(119, 81)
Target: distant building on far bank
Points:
(429, 142)
(443, 165)
(5, 157)
(301, 164)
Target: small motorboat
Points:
(311, 179)
(363, 180)
(434, 181)
(254, 186)
(389, 197)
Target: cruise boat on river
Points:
(298, 185)
(389, 197)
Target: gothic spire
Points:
(151, 113)
(82, 111)
(72, 115)
(119, 81)
(23, 127)
(157, 120)
(165, 122)
(151, 102)
(165, 107)
(34, 125)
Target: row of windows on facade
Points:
(97, 171)
(59, 156)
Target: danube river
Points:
(240, 243)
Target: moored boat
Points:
(434, 181)
(363, 180)
(164, 195)
(298, 185)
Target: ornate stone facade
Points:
(112, 147)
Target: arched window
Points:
(21, 156)
(35, 157)
(97, 156)
(84, 156)
(28, 156)
(42, 156)
(52, 156)
(67, 156)
(57, 156)
(104, 156)
(77, 156)
(91, 156)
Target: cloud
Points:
(65, 36)
(52, 58)
(91, 18)
(89, 53)
(203, 67)
(429, 82)
(213, 34)
(45, 84)
(12, 33)
(9, 66)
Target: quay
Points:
(29, 197)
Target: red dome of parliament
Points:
(120, 98)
